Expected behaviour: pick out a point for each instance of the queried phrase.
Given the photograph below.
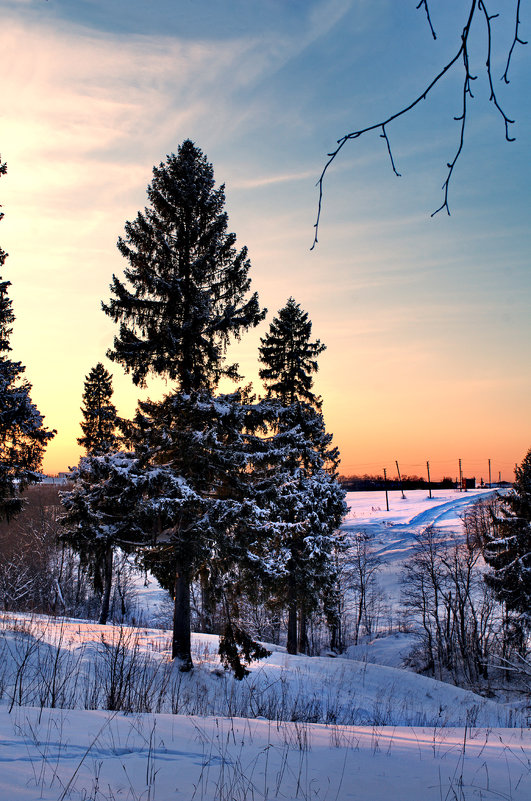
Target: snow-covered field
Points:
(60, 755)
(394, 530)
(387, 733)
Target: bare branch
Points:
(493, 97)
(462, 53)
(383, 123)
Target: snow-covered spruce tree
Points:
(507, 550)
(185, 297)
(304, 496)
(86, 519)
(23, 437)
(99, 414)
(198, 509)
(306, 504)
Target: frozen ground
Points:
(413, 737)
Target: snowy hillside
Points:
(393, 533)
(394, 530)
(384, 733)
(100, 713)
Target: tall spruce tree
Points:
(185, 297)
(189, 284)
(23, 437)
(197, 508)
(99, 414)
(507, 550)
(91, 520)
(305, 497)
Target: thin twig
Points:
(427, 10)
(515, 41)
(384, 136)
(493, 97)
(462, 118)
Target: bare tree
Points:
(458, 618)
(475, 10)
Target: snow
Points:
(394, 531)
(96, 755)
(389, 733)
(416, 510)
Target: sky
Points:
(426, 320)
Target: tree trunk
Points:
(181, 643)
(107, 584)
(303, 632)
(292, 615)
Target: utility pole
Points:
(490, 479)
(460, 477)
(400, 480)
(385, 485)
(429, 480)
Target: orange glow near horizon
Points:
(371, 431)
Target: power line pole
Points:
(429, 480)
(385, 486)
(400, 480)
(460, 477)
(490, 478)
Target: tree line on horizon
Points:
(376, 481)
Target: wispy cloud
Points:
(269, 180)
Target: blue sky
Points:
(426, 320)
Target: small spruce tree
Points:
(99, 414)
(304, 496)
(97, 515)
(23, 437)
(88, 510)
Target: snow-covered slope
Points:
(322, 689)
(407, 748)
(98, 756)
(394, 530)
(348, 729)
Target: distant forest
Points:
(377, 482)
